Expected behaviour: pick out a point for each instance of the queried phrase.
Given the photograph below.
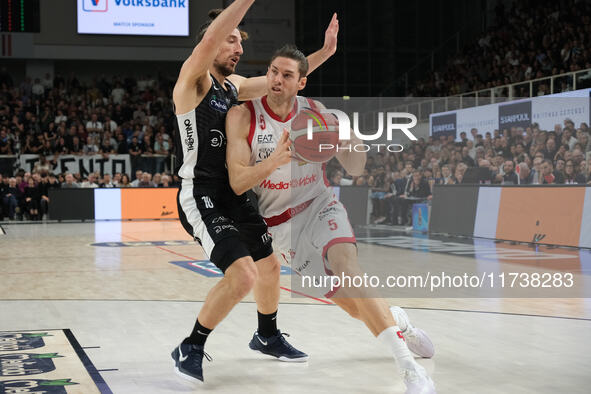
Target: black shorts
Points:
(227, 226)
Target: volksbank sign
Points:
(134, 17)
(152, 3)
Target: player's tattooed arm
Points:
(250, 88)
(243, 174)
(194, 72)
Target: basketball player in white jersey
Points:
(232, 233)
(303, 215)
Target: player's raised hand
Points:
(330, 36)
(282, 153)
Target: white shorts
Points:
(304, 240)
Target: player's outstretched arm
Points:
(197, 65)
(329, 48)
(250, 88)
(243, 175)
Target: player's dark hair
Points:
(212, 14)
(292, 52)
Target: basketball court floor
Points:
(98, 307)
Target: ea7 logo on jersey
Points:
(265, 138)
(189, 141)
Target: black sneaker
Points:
(187, 361)
(278, 347)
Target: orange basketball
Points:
(325, 136)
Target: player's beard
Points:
(226, 69)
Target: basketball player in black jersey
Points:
(230, 230)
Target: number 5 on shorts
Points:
(332, 225)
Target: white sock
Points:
(395, 342)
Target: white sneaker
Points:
(417, 340)
(417, 381)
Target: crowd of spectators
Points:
(25, 196)
(105, 116)
(532, 39)
(510, 157)
(57, 116)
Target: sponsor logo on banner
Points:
(95, 5)
(55, 386)
(84, 165)
(151, 3)
(515, 115)
(22, 341)
(444, 125)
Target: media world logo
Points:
(95, 5)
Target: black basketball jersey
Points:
(200, 138)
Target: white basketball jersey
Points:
(292, 184)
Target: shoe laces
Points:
(284, 341)
(196, 349)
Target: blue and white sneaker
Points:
(187, 361)
(278, 347)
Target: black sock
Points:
(267, 324)
(198, 335)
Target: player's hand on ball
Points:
(330, 36)
(282, 154)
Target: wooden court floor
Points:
(97, 307)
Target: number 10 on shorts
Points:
(207, 201)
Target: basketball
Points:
(325, 136)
